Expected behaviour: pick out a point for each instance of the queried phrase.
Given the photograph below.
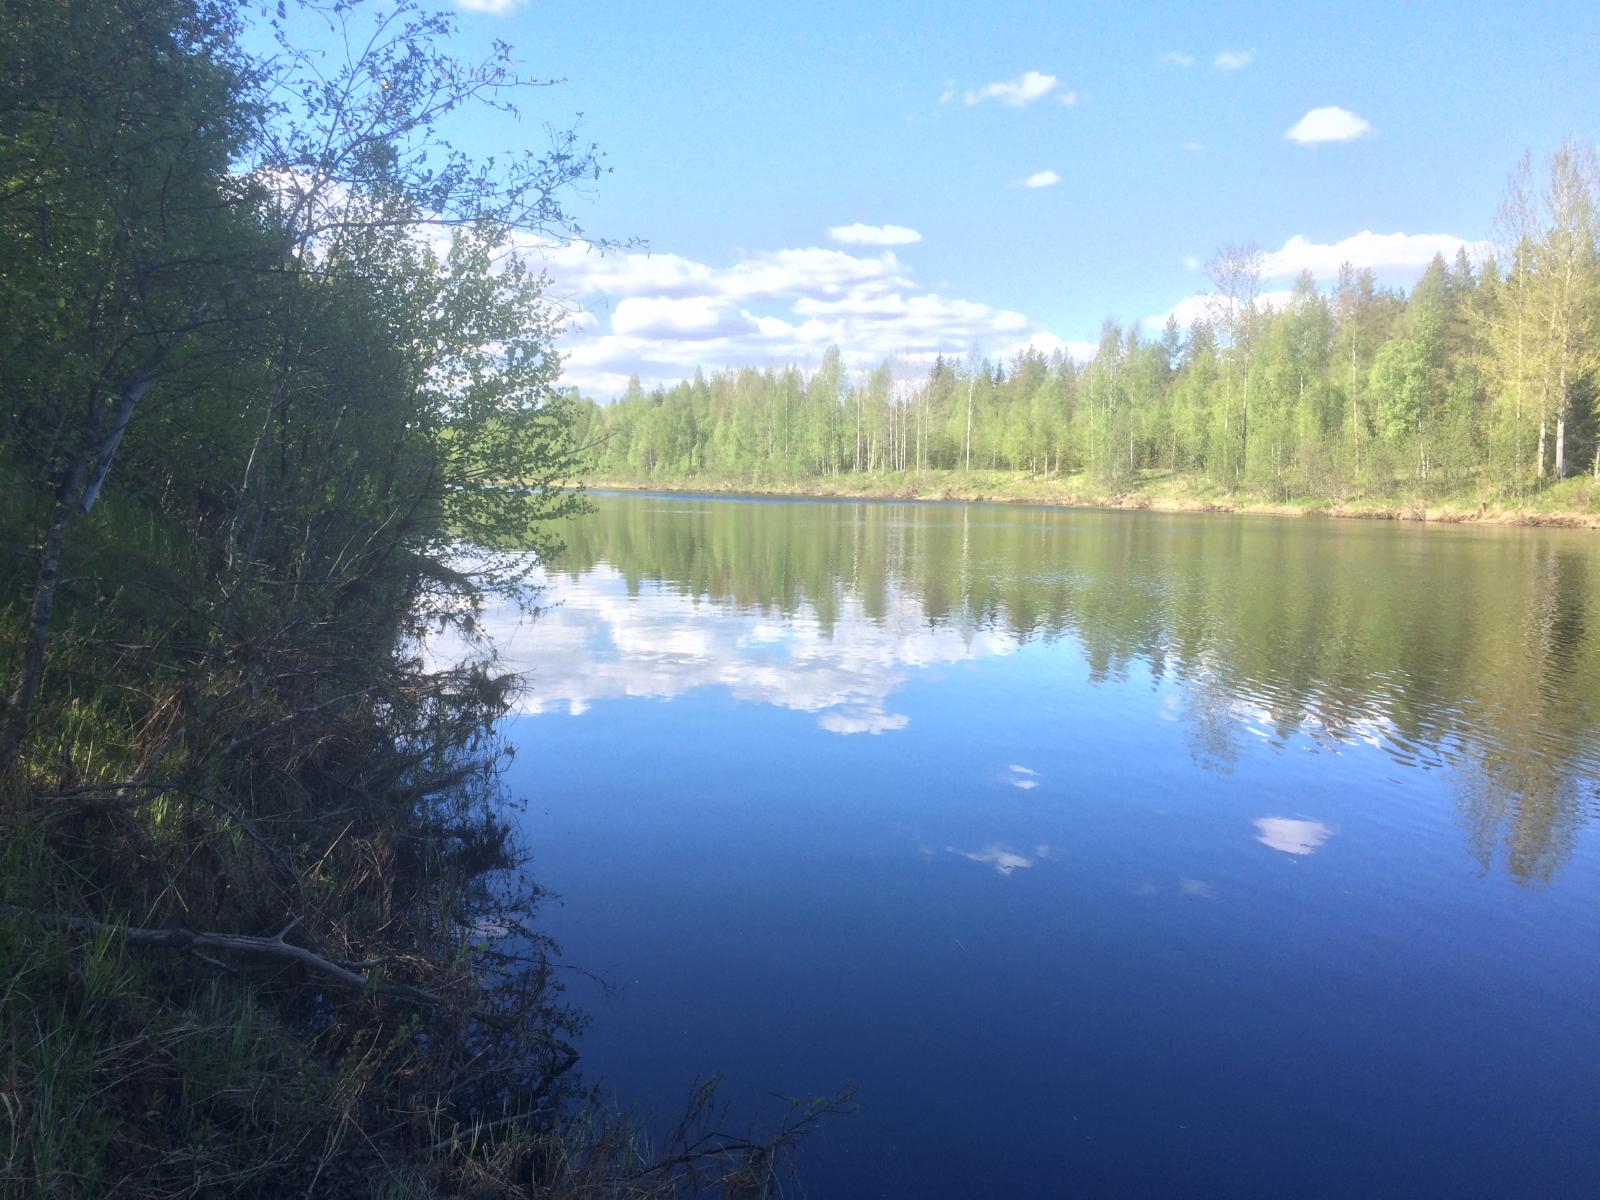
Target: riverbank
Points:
(1572, 504)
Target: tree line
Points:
(1481, 380)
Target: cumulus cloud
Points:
(1398, 258)
(1174, 59)
(1023, 90)
(497, 8)
(1041, 179)
(693, 317)
(1330, 124)
(577, 269)
(1394, 256)
(661, 316)
(873, 235)
(1233, 60)
(811, 271)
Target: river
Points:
(1110, 854)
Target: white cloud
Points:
(660, 316)
(1191, 147)
(1024, 89)
(1394, 256)
(1068, 98)
(691, 317)
(1233, 60)
(1174, 59)
(1331, 124)
(873, 235)
(1398, 258)
(497, 8)
(1041, 179)
(814, 271)
(577, 269)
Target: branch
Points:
(275, 947)
(238, 943)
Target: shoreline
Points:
(911, 491)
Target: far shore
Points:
(1161, 495)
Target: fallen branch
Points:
(238, 943)
(276, 947)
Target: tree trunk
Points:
(971, 383)
(1561, 424)
(19, 705)
(1244, 426)
(78, 494)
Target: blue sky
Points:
(741, 134)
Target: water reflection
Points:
(1466, 653)
(1023, 777)
(1002, 858)
(1291, 835)
(598, 639)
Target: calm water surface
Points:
(1111, 854)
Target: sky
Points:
(909, 180)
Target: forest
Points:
(264, 928)
(1479, 385)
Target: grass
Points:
(1572, 502)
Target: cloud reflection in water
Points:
(1290, 835)
(594, 641)
(1002, 858)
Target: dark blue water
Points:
(1109, 854)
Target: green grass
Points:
(1573, 501)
